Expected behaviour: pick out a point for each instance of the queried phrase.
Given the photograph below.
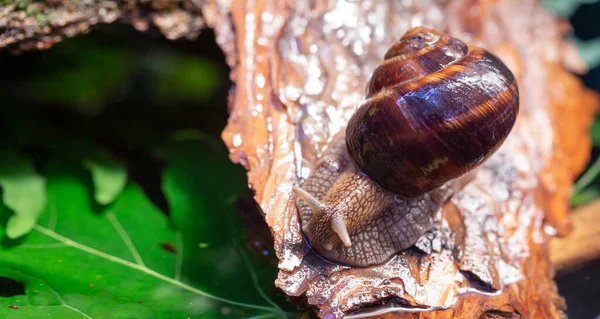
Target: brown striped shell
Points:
(435, 109)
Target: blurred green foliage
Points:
(110, 261)
(587, 187)
(565, 8)
(589, 50)
(118, 194)
(19, 4)
(583, 15)
(97, 75)
(93, 78)
(108, 176)
(23, 191)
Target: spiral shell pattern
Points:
(435, 109)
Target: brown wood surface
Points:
(300, 69)
(37, 25)
(583, 244)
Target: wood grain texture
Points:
(581, 245)
(300, 70)
(37, 25)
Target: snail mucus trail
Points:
(435, 109)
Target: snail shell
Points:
(435, 109)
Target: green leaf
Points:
(24, 192)
(79, 263)
(200, 184)
(595, 132)
(589, 50)
(585, 196)
(587, 177)
(565, 8)
(185, 77)
(93, 75)
(108, 175)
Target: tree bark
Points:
(583, 244)
(30, 24)
(300, 71)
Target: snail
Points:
(435, 109)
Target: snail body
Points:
(435, 109)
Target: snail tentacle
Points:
(339, 227)
(315, 205)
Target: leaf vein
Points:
(254, 277)
(145, 270)
(43, 246)
(125, 237)
(66, 305)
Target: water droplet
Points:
(237, 140)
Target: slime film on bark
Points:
(435, 109)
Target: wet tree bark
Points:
(30, 24)
(300, 69)
(583, 244)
